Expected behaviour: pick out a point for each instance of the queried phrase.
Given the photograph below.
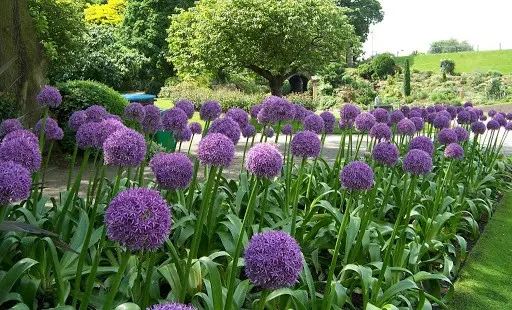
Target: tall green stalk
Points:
(123, 262)
(73, 160)
(296, 196)
(45, 168)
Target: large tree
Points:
(275, 39)
(449, 46)
(362, 14)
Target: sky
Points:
(410, 25)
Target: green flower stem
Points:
(128, 177)
(359, 141)
(238, 249)
(263, 299)
(263, 208)
(117, 280)
(92, 177)
(349, 152)
(288, 184)
(190, 145)
(296, 196)
(206, 127)
(192, 186)
(199, 227)
(147, 283)
(210, 220)
(439, 193)
(252, 140)
(310, 178)
(73, 160)
(179, 146)
(45, 168)
(4, 211)
(285, 149)
(388, 189)
(278, 131)
(42, 130)
(263, 133)
(243, 157)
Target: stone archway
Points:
(298, 83)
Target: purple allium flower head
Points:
(174, 119)
(385, 153)
(255, 110)
(248, 131)
(508, 127)
(460, 109)
(462, 134)
(15, 183)
(114, 117)
(77, 119)
(52, 131)
(500, 119)
(305, 144)
(329, 121)
(276, 109)
(124, 148)
(478, 128)
(349, 112)
(24, 134)
(492, 112)
(380, 131)
(239, 116)
(187, 106)
(210, 110)
(483, 118)
(445, 114)
(152, 121)
(431, 109)
(139, 219)
(417, 162)
(314, 123)
(419, 123)
(172, 171)
(21, 151)
(509, 116)
(415, 113)
(453, 111)
(439, 107)
(216, 149)
(406, 127)
(287, 130)
(365, 121)
(8, 126)
(396, 116)
(105, 129)
(446, 136)
(87, 136)
(49, 96)
(430, 118)
(422, 143)
(171, 306)
(454, 151)
(464, 117)
(273, 260)
(474, 115)
(95, 113)
(300, 112)
(196, 128)
(468, 104)
(226, 126)
(381, 115)
(357, 176)
(264, 160)
(269, 132)
(184, 134)
(441, 121)
(345, 124)
(405, 110)
(134, 112)
(493, 125)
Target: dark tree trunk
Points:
(276, 86)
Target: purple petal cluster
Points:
(345, 124)
(269, 132)
(300, 112)
(493, 125)
(478, 128)
(509, 116)
(329, 121)
(9, 125)
(357, 176)
(446, 136)
(216, 150)
(462, 134)
(255, 110)
(96, 113)
(264, 160)
(380, 131)
(314, 123)
(171, 306)
(139, 219)
(502, 120)
(305, 144)
(226, 126)
(21, 151)
(239, 116)
(441, 121)
(134, 112)
(24, 134)
(276, 109)
(15, 182)
(174, 119)
(196, 128)
(273, 260)
(492, 112)
(52, 131)
(287, 130)
(396, 116)
(406, 127)
(381, 115)
(349, 112)
(468, 104)
(464, 117)
(422, 143)
(152, 121)
(88, 134)
(248, 131)
(49, 96)
(417, 162)
(405, 110)
(365, 121)
(453, 111)
(184, 134)
(187, 106)
(508, 127)
(419, 123)
(454, 151)
(385, 153)
(124, 148)
(77, 119)
(210, 110)
(172, 171)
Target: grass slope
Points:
(485, 282)
(465, 61)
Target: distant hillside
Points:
(464, 62)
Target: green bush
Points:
(383, 65)
(304, 100)
(8, 106)
(496, 89)
(326, 102)
(364, 93)
(447, 66)
(287, 88)
(407, 79)
(493, 73)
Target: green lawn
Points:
(465, 61)
(486, 280)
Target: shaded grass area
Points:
(485, 282)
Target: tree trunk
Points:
(276, 86)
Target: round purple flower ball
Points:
(216, 149)
(172, 171)
(454, 151)
(49, 96)
(77, 119)
(380, 131)
(385, 153)
(445, 114)
(105, 129)
(492, 112)
(255, 110)
(453, 111)
(273, 260)
(187, 106)
(381, 115)
(305, 144)
(345, 124)
(406, 127)
(171, 306)
(134, 112)
(15, 182)
(502, 120)
(462, 134)
(24, 134)
(174, 119)
(493, 125)
(405, 110)
(415, 113)
(269, 132)
(509, 116)
(349, 112)
(422, 143)
(239, 116)
(114, 117)
(276, 109)
(52, 131)
(210, 110)
(464, 117)
(468, 104)
(357, 176)
(365, 121)
(264, 160)
(196, 128)
(184, 134)
(248, 131)
(87, 136)
(441, 121)
(124, 148)
(9, 125)
(226, 126)
(483, 118)
(439, 107)
(430, 118)
(287, 130)
(478, 128)
(300, 112)
(95, 113)
(329, 121)
(152, 121)
(21, 151)
(139, 219)
(419, 123)
(431, 109)
(508, 126)
(446, 136)
(417, 162)
(314, 123)
(396, 116)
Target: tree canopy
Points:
(275, 39)
(362, 14)
(450, 46)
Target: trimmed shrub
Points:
(407, 79)
(447, 66)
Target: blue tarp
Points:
(138, 97)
